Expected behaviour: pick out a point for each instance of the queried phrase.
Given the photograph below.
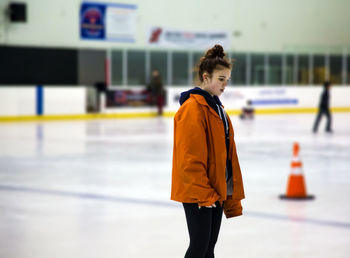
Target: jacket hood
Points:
(212, 101)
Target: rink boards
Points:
(67, 103)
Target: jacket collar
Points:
(201, 100)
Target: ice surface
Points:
(101, 188)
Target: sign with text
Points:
(112, 22)
(173, 38)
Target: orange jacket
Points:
(199, 158)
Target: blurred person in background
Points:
(324, 108)
(156, 88)
(247, 111)
(206, 175)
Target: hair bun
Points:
(215, 51)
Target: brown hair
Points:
(212, 60)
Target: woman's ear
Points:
(205, 76)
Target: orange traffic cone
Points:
(296, 188)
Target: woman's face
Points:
(217, 83)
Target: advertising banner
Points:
(130, 98)
(184, 39)
(112, 22)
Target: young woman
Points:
(206, 175)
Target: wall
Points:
(255, 25)
(91, 66)
(312, 25)
(38, 65)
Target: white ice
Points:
(101, 188)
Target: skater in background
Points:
(156, 88)
(324, 108)
(206, 175)
(247, 111)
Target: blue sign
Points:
(92, 21)
(275, 102)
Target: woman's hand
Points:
(211, 206)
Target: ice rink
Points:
(101, 188)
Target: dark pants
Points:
(323, 111)
(203, 227)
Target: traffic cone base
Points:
(303, 198)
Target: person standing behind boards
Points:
(156, 87)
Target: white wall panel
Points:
(16, 101)
(64, 100)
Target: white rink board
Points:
(17, 101)
(67, 100)
(293, 96)
(22, 100)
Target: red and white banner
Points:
(181, 39)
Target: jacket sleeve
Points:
(192, 154)
(232, 207)
(238, 188)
